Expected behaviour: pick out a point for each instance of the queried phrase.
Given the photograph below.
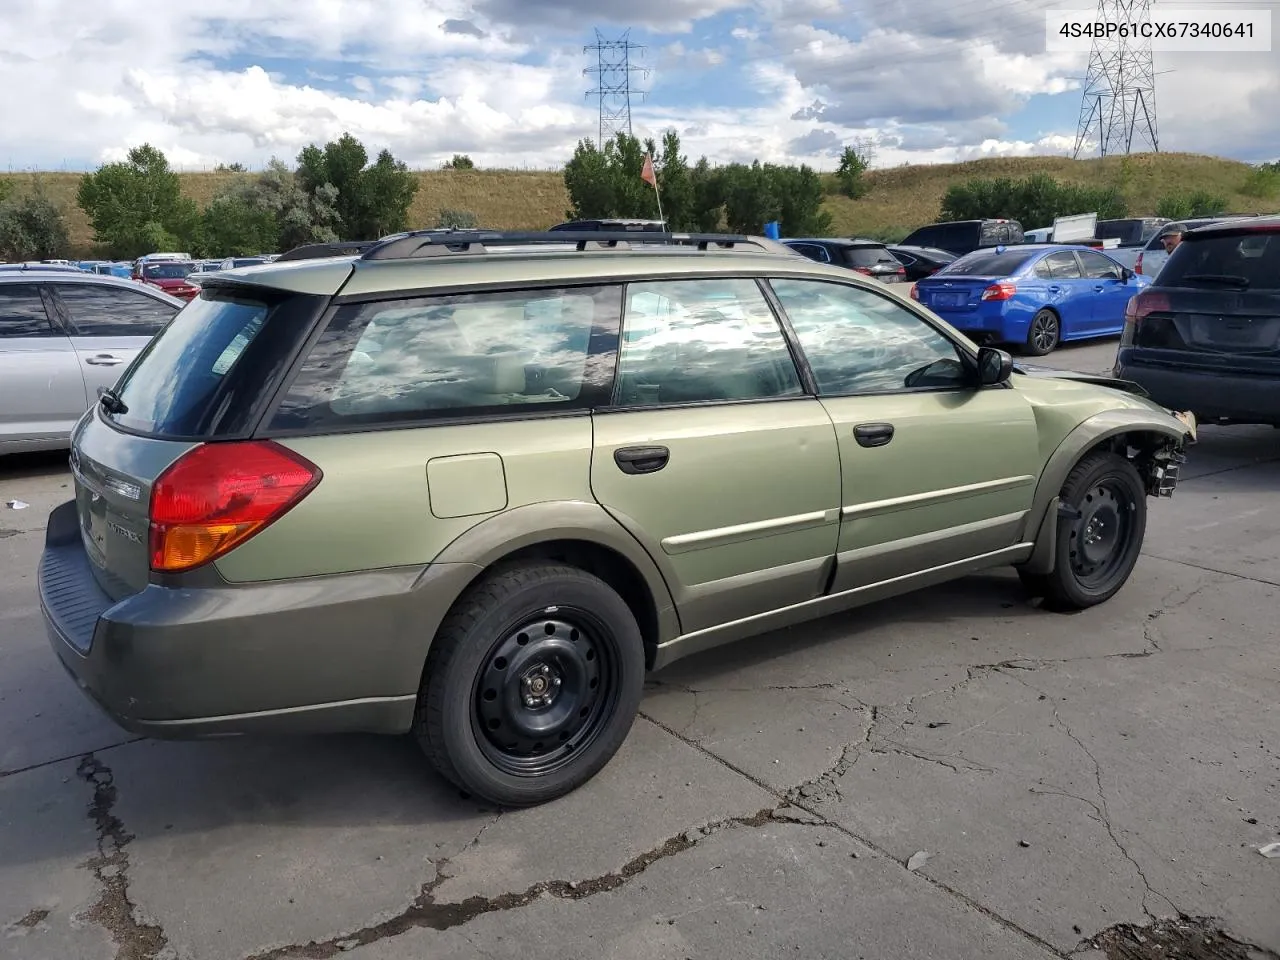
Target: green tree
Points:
(449, 219)
(32, 227)
(1196, 203)
(239, 222)
(371, 201)
(136, 206)
(460, 161)
(855, 160)
(672, 170)
(798, 192)
(1035, 201)
(1262, 181)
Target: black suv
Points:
(965, 236)
(1206, 335)
(871, 258)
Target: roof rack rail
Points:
(443, 243)
(314, 251)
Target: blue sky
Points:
(501, 80)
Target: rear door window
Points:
(1063, 265)
(22, 312)
(469, 355)
(99, 310)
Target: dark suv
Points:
(1206, 334)
(965, 236)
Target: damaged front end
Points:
(1161, 464)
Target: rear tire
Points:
(532, 684)
(1044, 334)
(1097, 550)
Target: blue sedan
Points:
(1032, 295)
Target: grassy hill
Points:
(900, 199)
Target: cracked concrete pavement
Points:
(960, 775)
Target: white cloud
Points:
(501, 80)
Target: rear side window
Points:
(512, 352)
(1248, 261)
(811, 250)
(22, 312)
(986, 263)
(209, 372)
(98, 310)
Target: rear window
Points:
(208, 372)
(510, 352)
(1126, 231)
(167, 271)
(868, 256)
(986, 263)
(1248, 261)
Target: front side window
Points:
(98, 310)
(507, 352)
(691, 341)
(22, 312)
(858, 341)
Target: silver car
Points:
(64, 336)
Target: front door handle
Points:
(1098, 288)
(1055, 289)
(633, 460)
(104, 360)
(873, 434)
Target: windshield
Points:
(167, 271)
(986, 263)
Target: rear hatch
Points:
(961, 285)
(874, 261)
(204, 379)
(1216, 305)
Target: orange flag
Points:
(646, 172)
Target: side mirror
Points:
(994, 366)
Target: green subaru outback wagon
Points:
(473, 486)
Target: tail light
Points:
(1137, 309)
(913, 293)
(1004, 290)
(219, 495)
(862, 270)
(1137, 266)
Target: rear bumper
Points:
(318, 655)
(1224, 396)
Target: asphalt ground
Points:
(958, 774)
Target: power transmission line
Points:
(1119, 97)
(612, 71)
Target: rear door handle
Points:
(873, 434)
(104, 360)
(1055, 289)
(634, 460)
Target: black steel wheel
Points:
(1100, 532)
(546, 690)
(1044, 334)
(532, 684)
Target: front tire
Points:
(1044, 334)
(1098, 547)
(532, 684)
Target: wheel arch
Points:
(1136, 437)
(580, 534)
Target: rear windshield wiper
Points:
(1226, 279)
(111, 402)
